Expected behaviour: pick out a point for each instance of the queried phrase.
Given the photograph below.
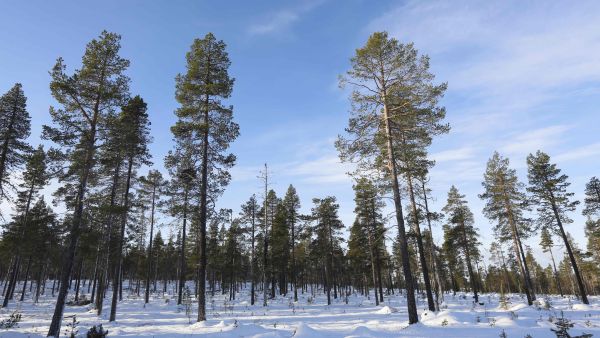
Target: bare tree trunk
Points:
(117, 278)
(408, 276)
(182, 253)
(147, 295)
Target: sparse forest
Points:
(97, 241)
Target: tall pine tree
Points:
(86, 97)
(548, 188)
(506, 204)
(208, 123)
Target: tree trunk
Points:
(556, 279)
(410, 293)
(182, 253)
(439, 292)
(147, 295)
(466, 248)
(117, 278)
(422, 260)
(202, 222)
(69, 256)
(26, 278)
(253, 258)
(580, 285)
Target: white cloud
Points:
(281, 20)
(276, 22)
(457, 154)
(533, 140)
(580, 153)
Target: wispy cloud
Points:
(281, 20)
(532, 140)
(585, 152)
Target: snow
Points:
(311, 317)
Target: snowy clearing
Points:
(309, 317)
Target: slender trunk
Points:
(265, 240)
(439, 292)
(202, 222)
(117, 278)
(182, 253)
(580, 285)
(12, 281)
(422, 260)
(294, 277)
(466, 248)
(410, 293)
(147, 295)
(379, 282)
(253, 257)
(26, 279)
(556, 279)
(373, 267)
(519, 250)
(78, 282)
(74, 232)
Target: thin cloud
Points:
(281, 20)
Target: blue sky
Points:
(522, 76)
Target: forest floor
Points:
(311, 317)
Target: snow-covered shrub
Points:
(11, 321)
(97, 332)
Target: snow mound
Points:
(386, 310)
(444, 318)
(504, 322)
(517, 307)
(305, 331)
(582, 307)
(362, 331)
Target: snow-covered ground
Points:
(309, 317)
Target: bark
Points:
(69, 256)
(439, 292)
(410, 294)
(580, 285)
(26, 279)
(202, 223)
(117, 278)
(182, 252)
(421, 248)
(466, 248)
(556, 279)
(147, 295)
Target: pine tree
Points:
(463, 233)
(505, 204)
(15, 127)
(327, 227)
(291, 203)
(134, 125)
(249, 216)
(548, 188)
(86, 96)
(497, 256)
(180, 164)
(280, 247)
(203, 119)
(592, 198)
(546, 243)
(151, 188)
(35, 177)
(390, 82)
(370, 228)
